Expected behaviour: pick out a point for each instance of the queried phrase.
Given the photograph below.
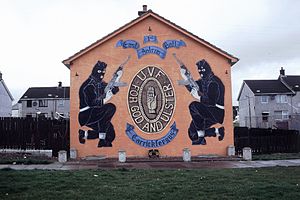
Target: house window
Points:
(43, 103)
(264, 99)
(60, 103)
(29, 103)
(265, 116)
(281, 115)
(281, 98)
(285, 114)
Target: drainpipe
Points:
(249, 110)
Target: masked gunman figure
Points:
(95, 112)
(208, 110)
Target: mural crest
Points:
(151, 100)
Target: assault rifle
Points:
(190, 81)
(113, 82)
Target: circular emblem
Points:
(151, 99)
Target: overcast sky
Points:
(36, 35)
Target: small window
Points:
(277, 114)
(265, 116)
(281, 98)
(282, 114)
(29, 103)
(60, 103)
(264, 99)
(43, 103)
(285, 114)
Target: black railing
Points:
(265, 141)
(34, 133)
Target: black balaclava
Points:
(204, 69)
(99, 70)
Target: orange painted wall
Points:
(113, 56)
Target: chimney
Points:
(143, 11)
(59, 84)
(282, 73)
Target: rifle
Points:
(113, 82)
(190, 81)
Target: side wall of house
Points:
(246, 106)
(113, 54)
(295, 114)
(5, 102)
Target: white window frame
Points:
(266, 99)
(43, 103)
(61, 102)
(284, 115)
(281, 99)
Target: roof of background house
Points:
(292, 81)
(285, 84)
(46, 92)
(267, 87)
(145, 15)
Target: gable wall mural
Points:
(151, 87)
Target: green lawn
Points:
(261, 183)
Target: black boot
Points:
(200, 140)
(222, 133)
(81, 136)
(104, 143)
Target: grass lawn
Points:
(261, 183)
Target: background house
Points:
(270, 103)
(5, 99)
(49, 102)
(16, 110)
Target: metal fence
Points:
(264, 141)
(34, 133)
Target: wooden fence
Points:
(34, 133)
(264, 141)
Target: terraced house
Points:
(48, 102)
(271, 103)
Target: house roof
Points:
(46, 92)
(292, 81)
(147, 14)
(260, 87)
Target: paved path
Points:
(113, 164)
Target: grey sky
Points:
(36, 35)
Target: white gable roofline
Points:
(6, 88)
